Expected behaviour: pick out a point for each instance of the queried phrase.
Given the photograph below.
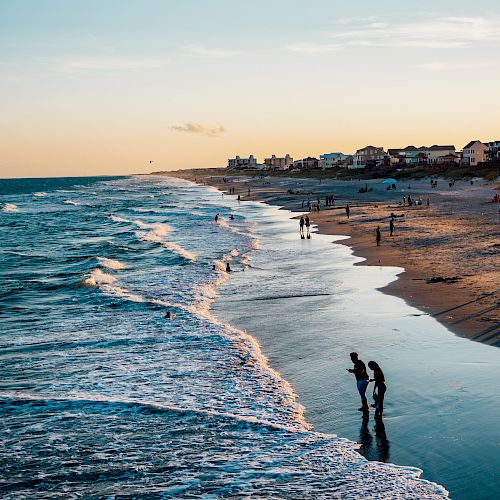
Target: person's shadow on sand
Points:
(381, 451)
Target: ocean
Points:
(103, 395)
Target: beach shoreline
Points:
(448, 250)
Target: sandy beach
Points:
(449, 249)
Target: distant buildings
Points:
(276, 163)
(493, 150)
(308, 163)
(332, 160)
(368, 156)
(423, 155)
(238, 163)
(475, 152)
(436, 153)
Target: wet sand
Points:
(450, 250)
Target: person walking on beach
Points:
(301, 227)
(347, 210)
(378, 236)
(379, 389)
(308, 226)
(391, 226)
(362, 379)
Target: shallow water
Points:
(312, 307)
(102, 395)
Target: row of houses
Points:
(474, 153)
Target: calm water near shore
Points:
(309, 306)
(102, 395)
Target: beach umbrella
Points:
(390, 181)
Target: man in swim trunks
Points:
(362, 379)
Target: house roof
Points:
(471, 143)
(440, 148)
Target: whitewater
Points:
(102, 394)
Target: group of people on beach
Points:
(362, 381)
(307, 223)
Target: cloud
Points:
(109, 64)
(197, 51)
(198, 128)
(438, 32)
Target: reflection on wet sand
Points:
(380, 450)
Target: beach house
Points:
(474, 152)
(493, 152)
(436, 153)
(277, 163)
(238, 163)
(308, 163)
(332, 160)
(368, 156)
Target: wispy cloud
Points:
(198, 128)
(197, 51)
(109, 64)
(438, 32)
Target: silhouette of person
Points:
(379, 390)
(362, 379)
(378, 236)
(308, 228)
(347, 210)
(391, 227)
(216, 218)
(301, 227)
(228, 268)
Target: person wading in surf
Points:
(308, 228)
(362, 379)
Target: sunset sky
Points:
(92, 87)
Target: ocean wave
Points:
(40, 194)
(9, 207)
(111, 263)
(98, 278)
(156, 230)
(174, 247)
(255, 457)
(71, 202)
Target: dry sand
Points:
(450, 250)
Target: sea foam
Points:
(111, 263)
(9, 207)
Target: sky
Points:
(91, 87)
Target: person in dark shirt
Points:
(362, 379)
(379, 389)
(301, 227)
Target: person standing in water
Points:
(216, 218)
(379, 390)
(347, 210)
(228, 268)
(301, 227)
(308, 227)
(391, 226)
(362, 379)
(378, 236)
